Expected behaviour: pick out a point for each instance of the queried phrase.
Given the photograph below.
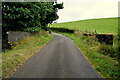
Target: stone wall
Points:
(17, 36)
(13, 36)
(106, 38)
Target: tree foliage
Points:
(28, 15)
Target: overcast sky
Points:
(87, 9)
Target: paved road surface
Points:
(60, 58)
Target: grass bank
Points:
(99, 55)
(21, 51)
(103, 25)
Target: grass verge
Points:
(23, 50)
(106, 66)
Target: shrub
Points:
(108, 50)
(32, 29)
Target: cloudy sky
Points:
(87, 9)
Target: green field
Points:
(103, 25)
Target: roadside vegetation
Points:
(26, 17)
(21, 51)
(104, 25)
(103, 57)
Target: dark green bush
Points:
(32, 29)
(19, 15)
(108, 50)
(64, 30)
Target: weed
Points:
(21, 51)
(102, 56)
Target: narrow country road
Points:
(60, 58)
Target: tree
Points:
(28, 16)
(21, 15)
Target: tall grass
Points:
(21, 51)
(103, 57)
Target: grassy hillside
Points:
(103, 25)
